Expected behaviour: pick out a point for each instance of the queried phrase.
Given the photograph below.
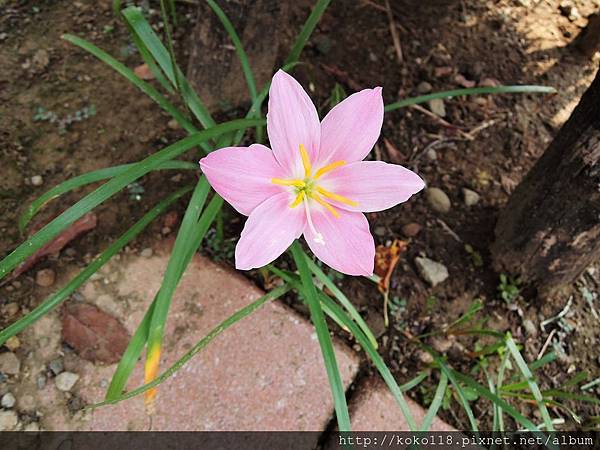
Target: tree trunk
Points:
(214, 69)
(549, 231)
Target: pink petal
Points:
(292, 120)
(349, 247)
(351, 128)
(375, 185)
(242, 175)
(269, 231)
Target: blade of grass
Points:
(523, 89)
(468, 381)
(113, 186)
(459, 390)
(364, 342)
(128, 74)
(435, 403)
(239, 48)
(144, 31)
(88, 178)
(138, 342)
(499, 381)
(307, 30)
(342, 299)
(169, 38)
(57, 298)
(231, 320)
(535, 390)
(318, 319)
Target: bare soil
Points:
(486, 144)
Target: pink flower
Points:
(313, 182)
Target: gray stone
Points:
(437, 107)
(9, 363)
(8, 420)
(41, 382)
(530, 327)
(471, 197)
(146, 253)
(8, 400)
(438, 200)
(431, 271)
(56, 366)
(65, 381)
(380, 231)
(424, 87)
(37, 180)
(431, 154)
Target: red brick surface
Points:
(264, 373)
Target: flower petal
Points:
(348, 245)
(242, 175)
(269, 231)
(292, 120)
(351, 128)
(374, 185)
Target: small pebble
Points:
(431, 154)
(146, 253)
(10, 309)
(173, 124)
(424, 357)
(530, 328)
(56, 366)
(424, 87)
(12, 343)
(431, 271)
(9, 363)
(37, 180)
(437, 107)
(8, 400)
(41, 382)
(65, 381)
(8, 420)
(471, 197)
(411, 229)
(45, 277)
(438, 200)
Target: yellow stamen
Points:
(305, 160)
(299, 199)
(328, 168)
(297, 183)
(330, 208)
(336, 197)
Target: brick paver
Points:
(264, 373)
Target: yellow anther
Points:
(336, 197)
(297, 183)
(298, 199)
(330, 208)
(328, 168)
(305, 160)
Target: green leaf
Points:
(239, 48)
(470, 91)
(144, 31)
(436, 403)
(231, 320)
(535, 390)
(85, 179)
(342, 317)
(342, 299)
(127, 73)
(306, 31)
(113, 186)
(56, 299)
(318, 319)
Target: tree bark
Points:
(214, 69)
(549, 231)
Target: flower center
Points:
(308, 189)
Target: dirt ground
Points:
(485, 144)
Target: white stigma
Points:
(318, 236)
